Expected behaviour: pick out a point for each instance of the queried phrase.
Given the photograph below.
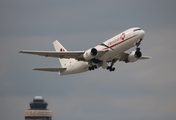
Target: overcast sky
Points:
(144, 90)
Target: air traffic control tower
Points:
(38, 110)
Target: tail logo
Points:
(62, 50)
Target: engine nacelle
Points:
(91, 53)
(134, 56)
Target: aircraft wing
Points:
(74, 54)
(69, 54)
(51, 69)
(124, 57)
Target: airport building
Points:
(38, 110)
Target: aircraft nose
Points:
(142, 33)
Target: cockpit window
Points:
(136, 29)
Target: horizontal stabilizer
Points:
(51, 69)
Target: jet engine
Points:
(134, 56)
(91, 53)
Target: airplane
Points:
(109, 52)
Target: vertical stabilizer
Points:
(59, 48)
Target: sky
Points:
(135, 91)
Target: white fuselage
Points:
(115, 46)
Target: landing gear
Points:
(111, 68)
(92, 67)
(94, 64)
(138, 43)
(137, 49)
(138, 53)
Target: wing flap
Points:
(51, 69)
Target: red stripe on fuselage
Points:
(121, 42)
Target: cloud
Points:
(58, 17)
